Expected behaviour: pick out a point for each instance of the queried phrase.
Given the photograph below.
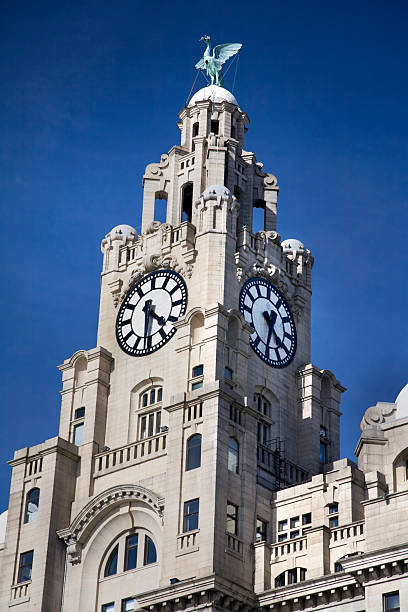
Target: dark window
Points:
(80, 413)
(391, 602)
(159, 394)
(261, 530)
(323, 431)
(215, 125)
(196, 126)
(25, 566)
(282, 537)
(143, 430)
(153, 396)
(186, 202)
(150, 555)
(110, 607)
(131, 552)
(282, 525)
(196, 385)
(237, 192)
(233, 131)
(78, 434)
(292, 576)
(145, 399)
(193, 459)
(280, 580)
(323, 452)
(128, 604)
(228, 373)
(233, 455)
(111, 566)
(198, 370)
(334, 522)
(333, 508)
(232, 518)
(191, 509)
(338, 567)
(306, 519)
(32, 504)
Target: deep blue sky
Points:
(90, 95)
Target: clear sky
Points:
(90, 95)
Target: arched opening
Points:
(400, 470)
(32, 505)
(111, 567)
(186, 202)
(258, 216)
(193, 454)
(160, 206)
(292, 576)
(233, 455)
(150, 554)
(197, 328)
(80, 371)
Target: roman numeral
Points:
(139, 292)
(162, 333)
(256, 341)
(258, 290)
(285, 319)
(247, 308)
(284, 348)
(165, 282)
(148, 342)
(278, 304)
(126, 322)
(177, 302)
(288, 336)
(128, 335)
(131, 306)
(174, 290)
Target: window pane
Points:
(323, 452)
(193, 452)
(78, 434)
(233, 455)
(334, 522)
(261, 530)
(153, 396)
(294, 522)
(333, 508)
(392, 602)
(143, 427)
(145, 400)
(26, 564)
(110, 607)
(159, 394)
(131, 552)
(282, 525)
(196, 385)
(292, 576)
(128, 604)
(228, 373)
(306, 518)
(198, 370)
(158, 421)
(150, 555)
(191, 509)
(32, 504)
(111, 567)
(151, 425)
(79, 413)
(232, 519)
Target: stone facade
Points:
(198, 476)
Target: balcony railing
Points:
(348, 531)
(234, 544)
(19, 591)
(289, 547)
(187, 542)
(130, 454)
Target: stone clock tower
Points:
(198, 426)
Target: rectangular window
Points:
(294, 534)
(145, 400)
(323, 431)
(25, 566)
(191, 510)
(306, 518)
(78, 433)
(228, 373)
(333, 508)
(323, 452)
(292, 576)
(196, 125)
(196, 385)
(282, 537)
(80, 413)
(294, 522)
(150, 428)
(261, 530)
(406, 469)
(198, 370)
(282, 525)
(131, 552)
(128, 604)
(232, 518)
(143, 427)
(214, 126)
(391, 602)
(159, 394)
(149, 424)
(334, 522)
(110, 607)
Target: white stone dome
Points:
(213, 93)
(401, 403)
(3, 525)
(123, 231)
(291, 244)
(213, 191)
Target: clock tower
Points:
(197, 406)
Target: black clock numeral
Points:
(256, 341)
(247, 308)
(139, 292)
(128, 321)
(131, 306)
(166, 280)
(128, 335)
(288, 336)
(278, 304)
(177, 302)
(153, 283)
(285, 348)
(172, 319)
(285, 319)
(162, 333)
(174, 290)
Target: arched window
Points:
(186, 201)
(111, 567)
(150, 554)
(338, 567)
(193, 458)
(297, 574)
(32, 504)
(233, 455)
(132, 544)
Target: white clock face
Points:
(146, 317)
(266, 310)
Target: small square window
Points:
(391, 602)
(25, 566)
(334, 522)
(232, 518)
(196, 385)
(333, 508)
(80, 413)
(128, 604)
(78, 434)
(282, 525)
(228, 373)
(198, 370)
(282, 537)
(294, 534)
(306, 518)
(294, 522)
(110, 607)
(215, 126)
(145, 400)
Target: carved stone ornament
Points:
(154, 262)
(76, 535)
(156, 169)
(265, 269)
(375, 415)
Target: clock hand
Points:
(160, 320)
(147, 310)
(271, 320)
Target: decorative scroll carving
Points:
(270, 180)
(74, 552)
(156, 169)
(265, 269)
(115, 287)
(375, 415)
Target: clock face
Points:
(147, 314)
(266, 310)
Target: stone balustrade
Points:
(128, 455)
(20, 591)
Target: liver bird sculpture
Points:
(212, 62)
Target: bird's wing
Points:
(201, 64)
(223, 52)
